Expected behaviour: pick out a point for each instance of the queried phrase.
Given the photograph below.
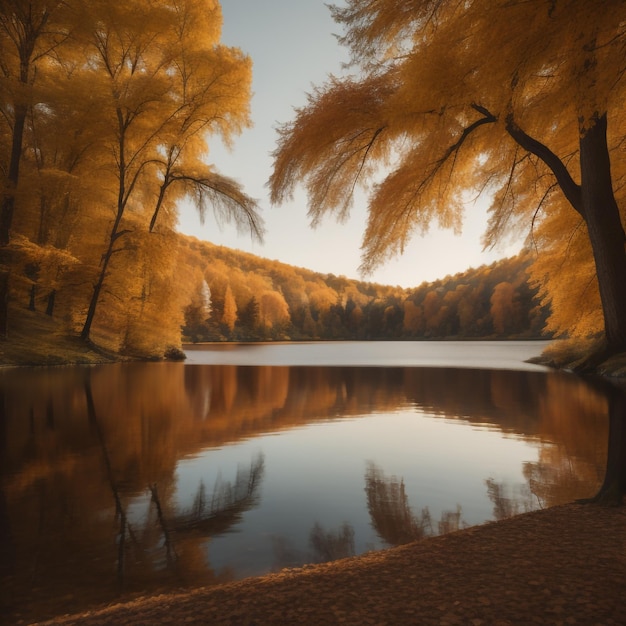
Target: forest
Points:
(248, 298)
(108, 112)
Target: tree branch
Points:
(568, 186)
(488, 118)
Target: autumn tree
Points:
(248, 318)
(213, 86)
(63, 195)
(106, 110)
(198, 311)
(30, 32)
(523, 100)
(229, 315)
(413, 318)
(165, 84)
(273, 310)
(502, 307)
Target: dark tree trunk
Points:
(613, 487)
(4, 302)
(594, 200)
(31, 301)
(95, 297)
(8, 201)
(605, 230)
(115, 234)
(158, 205)
(6, 216)
(104, 266)
(51, 299)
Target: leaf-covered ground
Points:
(34, 339)
(565, 565)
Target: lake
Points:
(141, 477)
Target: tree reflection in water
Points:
(331, 545)
(392, 516)
(506, 502)
(389, 509)
(227, 504)
(613, 488)
(90, 464)
(326, 545)
(207, 517)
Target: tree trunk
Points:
(31, 300)
(613, 487)
(51, 299)
(97, 289)
(95, 297)
(4, 303)
(158, 205)
(606, 233)
(8, 202)
(6, 216)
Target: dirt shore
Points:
(565, 565)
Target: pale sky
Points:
(292, 47)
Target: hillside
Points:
(246, 297)
(241, 296)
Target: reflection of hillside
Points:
(152, 414)
(57, 501)
(525, 403)
(568, 417)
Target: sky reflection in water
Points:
(317, 475)
(219, 472)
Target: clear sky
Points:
(293, 47)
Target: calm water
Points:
(129, 478)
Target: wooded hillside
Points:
(245, 297)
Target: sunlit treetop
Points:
(444, 98)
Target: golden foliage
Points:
(566, 275)
(118, 103)
(502, 306)
(229, 316)
(436, 112)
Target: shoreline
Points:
(564, 565)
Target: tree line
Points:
(243, 297)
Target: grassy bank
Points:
(35, 339)
(582, 356)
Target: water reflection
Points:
(389, 509)
(108, 485)
(613, 487)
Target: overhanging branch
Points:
(570, 188)
(488, 118)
